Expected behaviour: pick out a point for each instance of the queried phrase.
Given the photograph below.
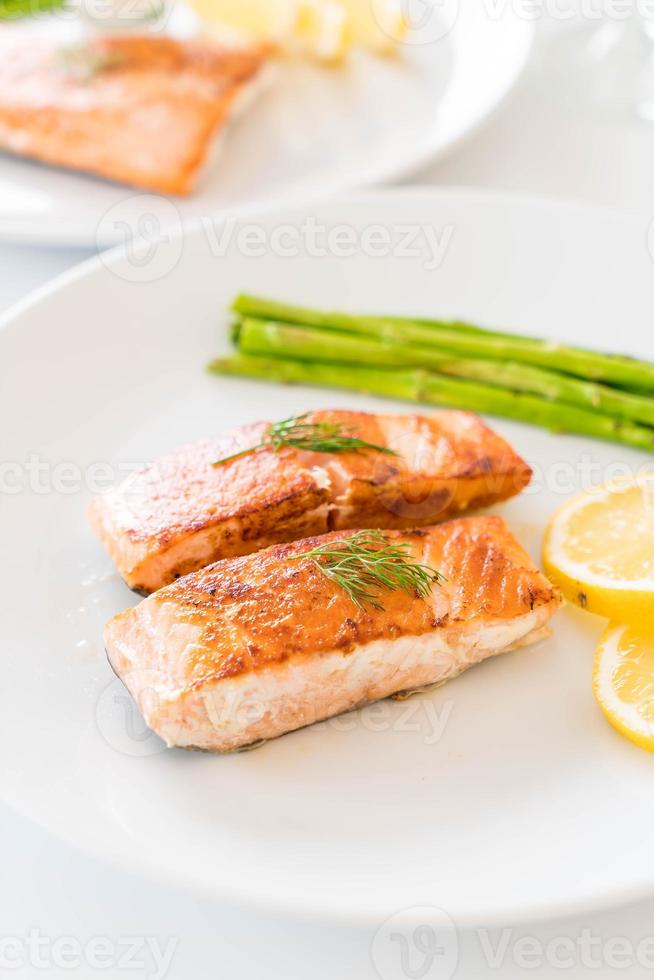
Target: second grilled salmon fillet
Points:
(182, 513)
(253, 647)
(140, 110)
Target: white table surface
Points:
(535, 144)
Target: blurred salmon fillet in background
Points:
(143, 111)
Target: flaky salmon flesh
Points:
(143, 111)
(182, 513)
(253, 647)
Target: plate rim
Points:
(106, 257)
(325, 912)
(334, 914)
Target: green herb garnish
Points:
(316, 437)
(83, 62)
(367, 563)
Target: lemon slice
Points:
(623, 681)
(379, 25)
(599, 548)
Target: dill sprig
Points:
(367, 563)
(316, 437)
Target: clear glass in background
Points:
(605, 62)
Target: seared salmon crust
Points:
(253, 647)
(182, 513)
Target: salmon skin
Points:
(254, 647)
(143, 111)
(182, 513)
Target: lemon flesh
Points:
(623, 681)
(599, 549)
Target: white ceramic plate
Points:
(526, 803)
(313, 132)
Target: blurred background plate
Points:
(314, 131)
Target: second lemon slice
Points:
(623, 681)
(599, 548)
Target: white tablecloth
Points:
(536, 144)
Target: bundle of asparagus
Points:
(16, 9)
(455, 364)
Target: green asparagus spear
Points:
(267, 338)
(461, 326)
(419, 385)
(15, 9)
(625, 372)
(267, 309)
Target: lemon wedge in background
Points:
(322, 30)
(262, 20)
(623, 681)
(599, 549)
(379, 25)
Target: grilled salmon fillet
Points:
(140, 110)
(182, 513)
(253, 647)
